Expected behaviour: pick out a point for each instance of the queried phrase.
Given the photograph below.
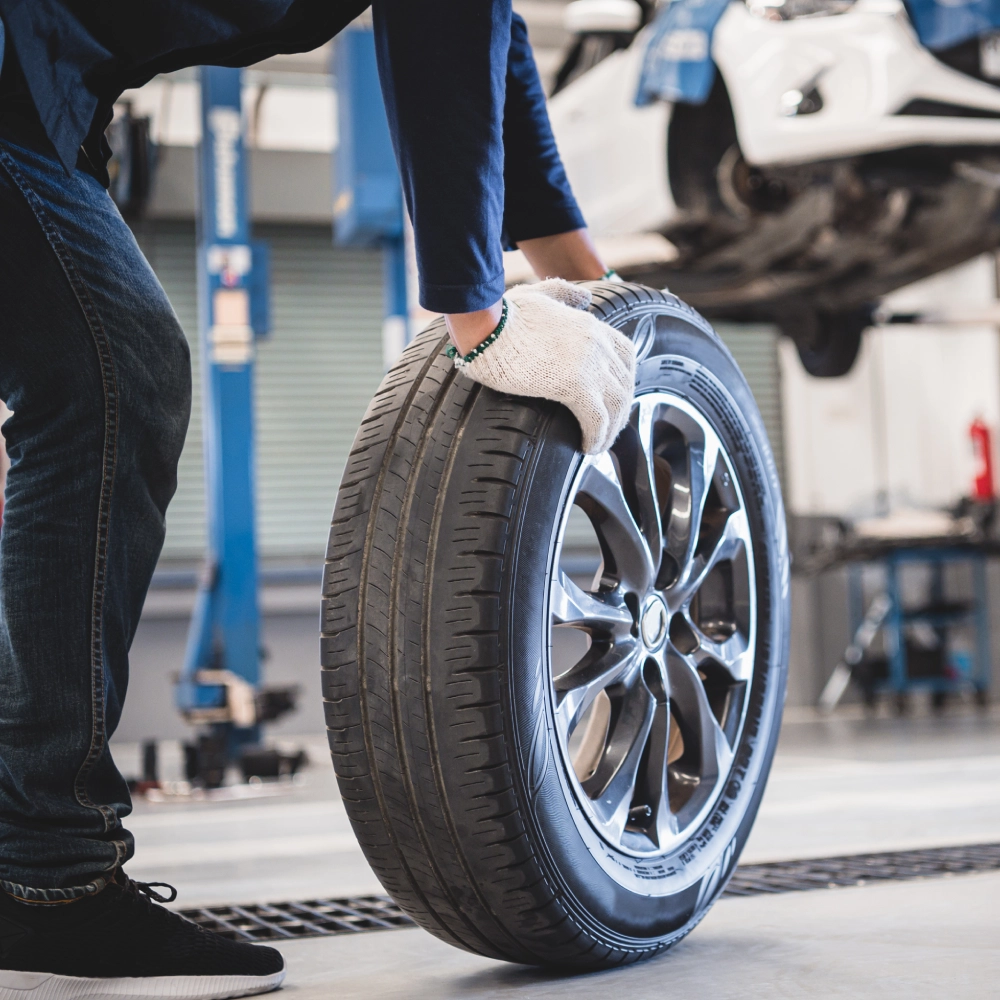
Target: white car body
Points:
(869, 59)
(870, 63)
(620, 179)
(930, 170)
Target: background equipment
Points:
(367, 197)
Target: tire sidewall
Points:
(629, 902)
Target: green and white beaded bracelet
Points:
(461, 362)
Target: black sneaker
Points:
(119, 943)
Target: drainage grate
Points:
(323, 917)
(313, 918)
(860, 869)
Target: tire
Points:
(445, 588)
(834, 343)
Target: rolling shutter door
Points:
(755, 348)
(315, 376)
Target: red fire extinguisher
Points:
(982, 483)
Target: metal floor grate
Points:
(860, 869)
(324, 917)
(313, 918)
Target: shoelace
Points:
(149, 889)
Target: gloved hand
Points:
(551, 347)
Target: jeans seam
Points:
(29, 894)
(98, 739)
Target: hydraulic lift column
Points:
(220, 685)
(367, 197)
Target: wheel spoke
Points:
(634, 449)
(690, 700)
(689, 493)
(625, 549)
(733, 653)
(664, 826)
(604, 665)
(573, 606)
(733, 538)
(613, 783)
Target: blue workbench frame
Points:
(975, 675)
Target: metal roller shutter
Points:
(315, 376)
(755, 348)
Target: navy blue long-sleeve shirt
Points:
(465, 105)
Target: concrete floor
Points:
(934, 939)
(845, 785)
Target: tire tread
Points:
(436, 839)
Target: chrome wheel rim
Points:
(650, 704)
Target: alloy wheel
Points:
(652, 663)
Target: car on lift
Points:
(805, 157)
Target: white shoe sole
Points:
(45, 986)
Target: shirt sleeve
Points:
(539, 200)
(443, 67)
(478, 161)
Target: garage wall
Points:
(894, 433)
(315, 376)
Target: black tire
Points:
(834, 343)
(439, 705)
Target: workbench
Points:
(941, 666)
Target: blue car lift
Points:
(367, 196)
(220, 685)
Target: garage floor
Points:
(844, 786)
(935, 939)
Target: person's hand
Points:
(551, 347)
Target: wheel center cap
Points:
(654, 623)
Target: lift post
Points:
(220, 685)
(367, 196)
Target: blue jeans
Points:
(96, 370)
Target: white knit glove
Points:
(551, 347)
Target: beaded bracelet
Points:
(460, 362)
